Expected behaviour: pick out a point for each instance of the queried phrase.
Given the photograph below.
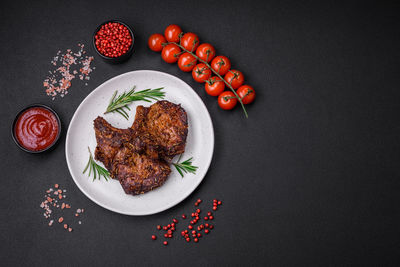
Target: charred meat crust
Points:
(165, 125)
(109, 140)
(137, 173)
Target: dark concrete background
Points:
(310, 179)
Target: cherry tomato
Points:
(214, 86)
(190, 41)
(205, 52)
(221, 64)
(170, 53)
(172, 33)
(246, 93)
(201, 73)
(227, 100)
(155, 42)
(235, 78)
(187, 62)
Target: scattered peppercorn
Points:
(170, 228)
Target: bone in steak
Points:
(138, 156)
(165, 125)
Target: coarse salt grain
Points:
(59, 80)
(48, 201)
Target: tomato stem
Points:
(216, 73)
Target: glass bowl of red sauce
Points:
(113, 41)
(36, 128)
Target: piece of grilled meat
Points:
(128, 158)
(137, 156)
(109, 141)
(163, 126)
(138, 173)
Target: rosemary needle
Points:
(120, 103)
(98, 171)
(185, 166)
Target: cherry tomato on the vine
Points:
(205, 52)
(214, 86)
(227, 100)
(170, 53)
(155, 42)
(172, 33)
(201, 73)
(246, 93)
(190, 41)
(235, 78)
(221, 64)
(186, 62)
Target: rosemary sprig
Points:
(98, 171)
(120, 103)
(185, 166)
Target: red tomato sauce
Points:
(36, 128)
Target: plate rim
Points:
(172, 204)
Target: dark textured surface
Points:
(310, 179)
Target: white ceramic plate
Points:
(80, 136)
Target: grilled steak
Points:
(109, 141)
(138, 173)
(164, 125)
(137, 156)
